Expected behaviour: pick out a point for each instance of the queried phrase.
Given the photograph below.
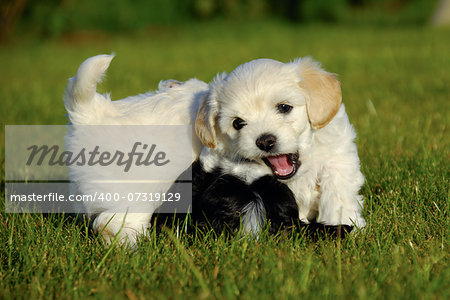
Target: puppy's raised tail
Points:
(81, 89)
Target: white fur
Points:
(174, 103)
(253, 217)
(328, 156)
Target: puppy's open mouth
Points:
(283, 166)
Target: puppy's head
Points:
(264, 111)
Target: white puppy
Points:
(265, 117)
(287, 119)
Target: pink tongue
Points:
(281, 165)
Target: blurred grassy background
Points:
(57, 17)
(394, 72)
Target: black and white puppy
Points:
(225, 202)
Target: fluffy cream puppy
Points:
(286, 119)
(264, 118)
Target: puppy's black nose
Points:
(266, 142)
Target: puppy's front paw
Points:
(341, 216)
(119, 226)
(359, 223)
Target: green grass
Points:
(395, 86)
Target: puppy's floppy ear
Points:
(323, 91)
(205, 123)
(208, 112)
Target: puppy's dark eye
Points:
(238, 123)
(284, 108)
